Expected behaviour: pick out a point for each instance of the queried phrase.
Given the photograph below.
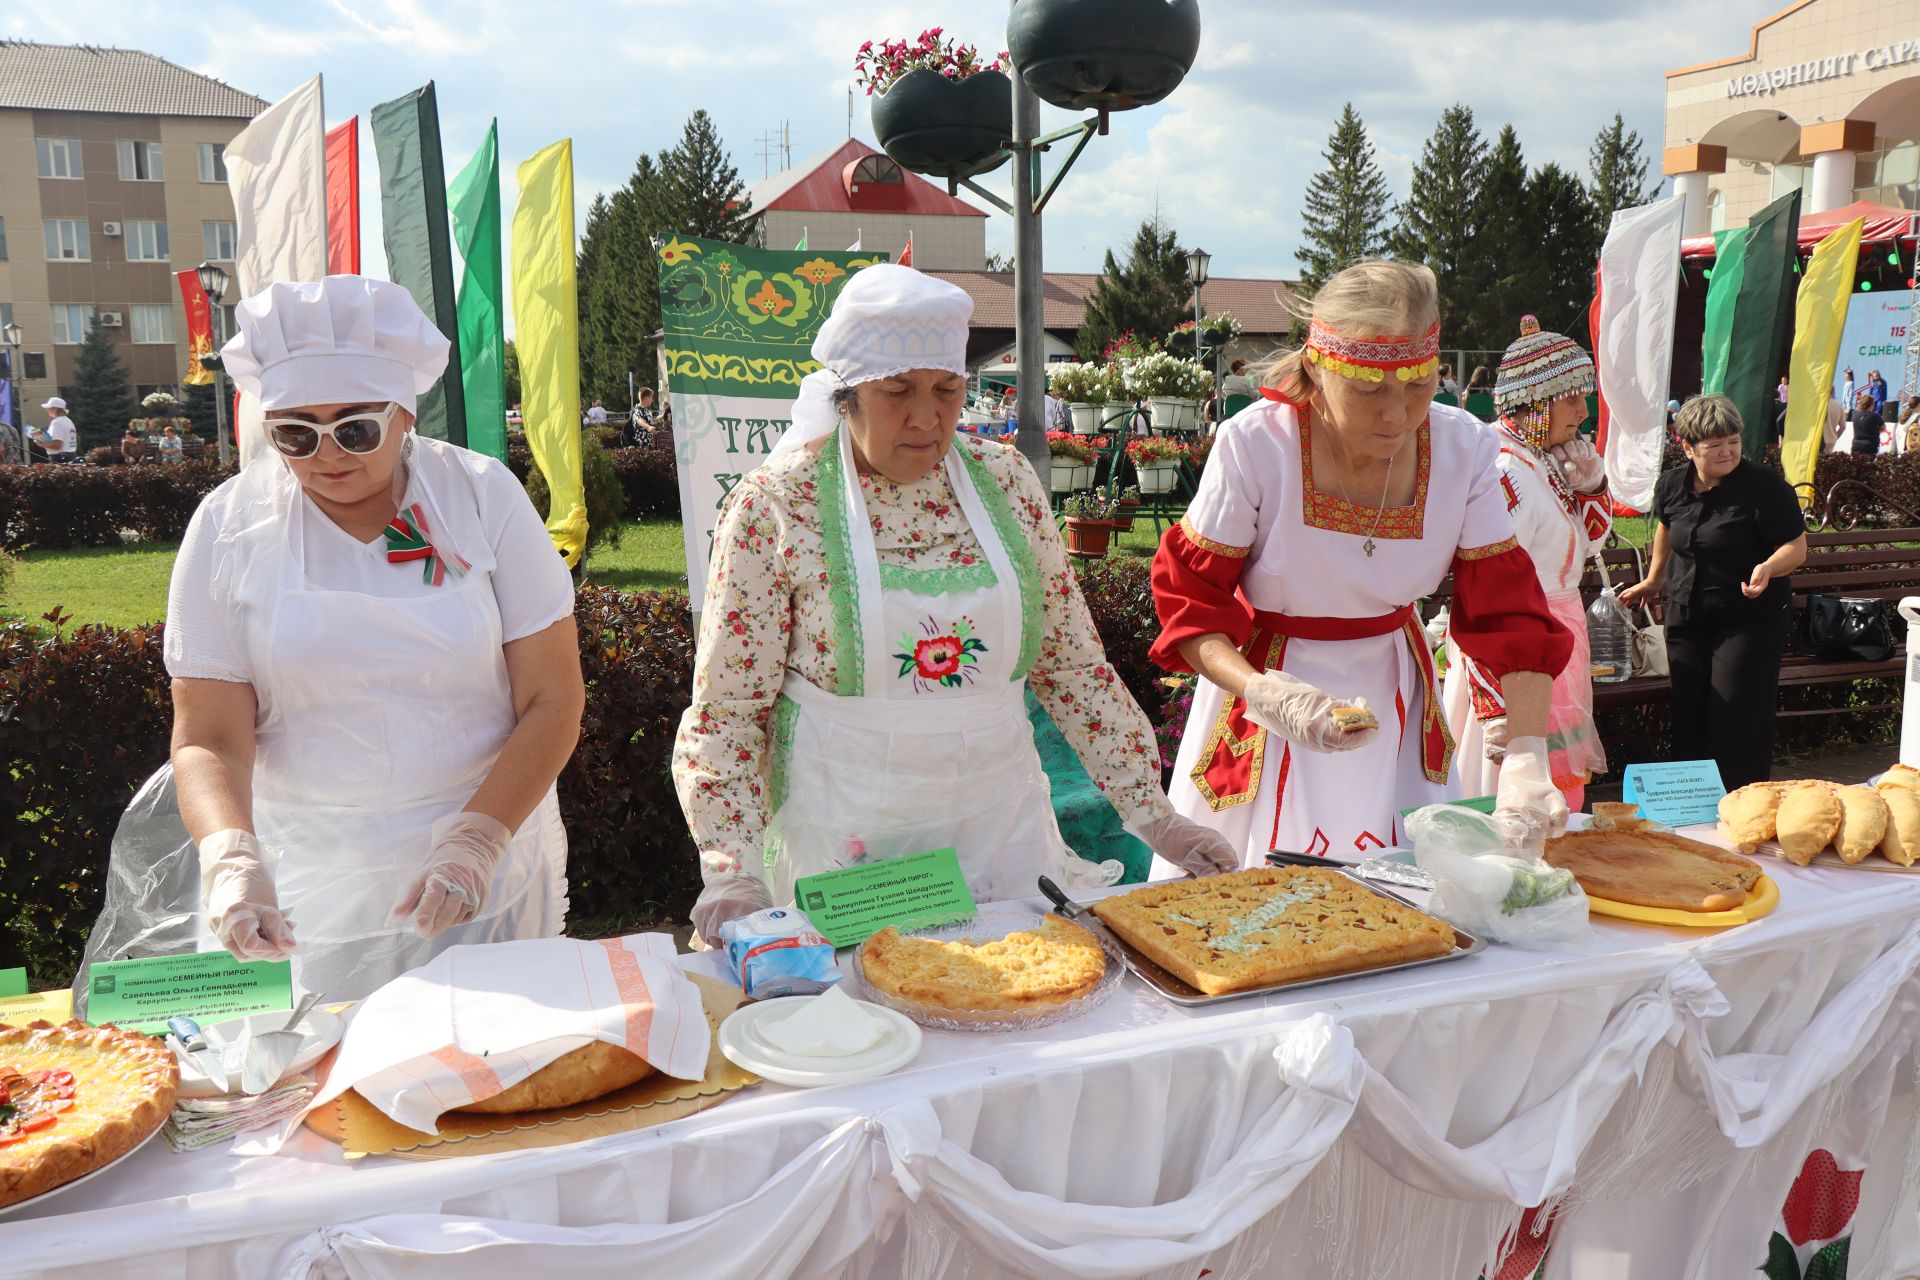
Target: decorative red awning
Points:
(1885, 224)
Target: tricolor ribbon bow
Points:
(409, 539)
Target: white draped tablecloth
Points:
(1660, 1096)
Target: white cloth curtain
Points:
(1633, 352)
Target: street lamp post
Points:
(11, 336)
(213, 282)
(1197, 261)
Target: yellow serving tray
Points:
(1764, 898)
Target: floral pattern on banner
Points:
(944, 659)
(770, 608)
(1816, 1222)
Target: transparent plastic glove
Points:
(1436, 627)
(1528, 808)
(1581, 463)
(466, 848)
(242, 908)
(1188, 844)
(727, 898)
(1301, 713)
(1493, 734)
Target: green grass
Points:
(652, 556)
(119, 586)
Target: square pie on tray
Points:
(1269, 925)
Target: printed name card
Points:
(917, 891)
(1679, 793)
(207, 986)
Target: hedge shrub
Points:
(77, 505)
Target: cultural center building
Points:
(1825, 100)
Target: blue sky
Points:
(1225, 159)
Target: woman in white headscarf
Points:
(880, 593)
(375, 673)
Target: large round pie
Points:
(77, 1098)
(1655, 869)
(1028, 969)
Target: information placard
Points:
(1679, 793)
(54, 1006)
(13, 982)
(852, 904)
(207, 986)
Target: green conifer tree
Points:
(101, 401)
(1506, 249)
(1345, 215)
(1564, 224)
(1619, 179)
(1149, 295)
(1437, 222)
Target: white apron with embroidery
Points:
(378, 716)
(936, 752)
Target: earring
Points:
(406, 447)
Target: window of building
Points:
(229, 325)
(146, 241)
(69, 322)
(1888, 175)
(66, 238)
(1717, 211)
(152, 324)
(213, 162)
(3, 239)
(6, 314)
(58, 157)
(219, 241)
(1789, 177)
(141, 162)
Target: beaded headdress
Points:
(1369, 359)
(1539, 368)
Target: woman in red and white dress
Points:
(1325, 511)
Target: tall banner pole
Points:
(547, 336)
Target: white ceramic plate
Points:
(319, 1032)
(741, 1042)
(88, 1177)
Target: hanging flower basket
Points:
(1171, 413)
(947, 128)
(1086, 418)
(1069, 475)
(1158, 477)
(1116, 54)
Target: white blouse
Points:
(491, 523)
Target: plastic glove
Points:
(1528, 808)
(1493, 736)
(467, 846)
(1582, 464)
(242, 909)
(725, 898)
(1436, 627)
(1187, 844)
(1300, 713)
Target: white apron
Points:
(935, 751)
(378, 717)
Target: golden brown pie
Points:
(1268, 925)
(1354, 719)
(1901, 844)
(1749, 815)
(1863, 823)
(1655, 869)
(1617, 815)
(76, 1098)
(592, 1070)
(1808, 821)
(1028, 969)
(1901, 775)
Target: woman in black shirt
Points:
(1729, 533)
(1867, 425)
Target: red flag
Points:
(343, 198)
(906, 254)
(199, 328)
(1593, 336)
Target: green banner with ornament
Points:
(738, 327)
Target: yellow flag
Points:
(1819, 314)
(547, 338)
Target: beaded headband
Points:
(1368, 359)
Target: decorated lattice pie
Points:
(76, 1098)
(1268, 925)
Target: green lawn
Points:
(120, 586)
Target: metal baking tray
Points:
(1172, 989)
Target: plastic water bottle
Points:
(1609, 639)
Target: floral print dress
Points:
(778, 602)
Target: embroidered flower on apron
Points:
(946, 658)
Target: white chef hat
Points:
(341, 340)
(889, 319)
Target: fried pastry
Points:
(591, 1071)
(1901, 844)
(1750, 815)
(1808, 821)
(1901, 775)
(1616, 815)
(1863, 823)
(1354, 719)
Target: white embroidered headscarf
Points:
(889, 319)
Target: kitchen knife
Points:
(193, 1042)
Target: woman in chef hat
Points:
(375, 673)
(879, 597)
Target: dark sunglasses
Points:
(359, 433)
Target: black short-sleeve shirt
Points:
(1717, 537)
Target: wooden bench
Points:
(1866, 562)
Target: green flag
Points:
(802, 246)
(413, 225)
(1762, 315)
(1716, 342)
(474, 201)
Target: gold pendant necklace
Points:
(1380, 511)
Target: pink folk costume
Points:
(1559, 527)
(1306, 582)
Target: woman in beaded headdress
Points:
(1555, 486)
(1326, 509)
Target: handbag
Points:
(1649, 641)
(1850, 628)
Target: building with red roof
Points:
(856, 194)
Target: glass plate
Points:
(988, 926)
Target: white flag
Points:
(1633, 350)
(855, 246)
(277, 172)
